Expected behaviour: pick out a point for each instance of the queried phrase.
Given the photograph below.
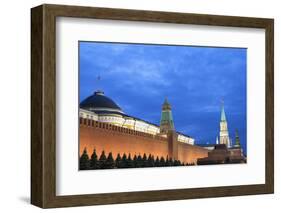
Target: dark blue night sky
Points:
(194, 79)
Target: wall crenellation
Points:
(113, 128)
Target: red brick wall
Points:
(101, 136)
(120, 140)
(189, 154)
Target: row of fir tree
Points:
(124, 161)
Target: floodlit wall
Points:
(115, 139)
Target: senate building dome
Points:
(99, 103)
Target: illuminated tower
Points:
(224, 137)
(237, 139)
(166, 122)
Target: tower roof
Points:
(166, 105)
(223, 117)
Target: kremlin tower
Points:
(224, 136)
(237, 139)
(166, 122)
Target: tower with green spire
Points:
(166, 122)
(237, 139)
(224, 136)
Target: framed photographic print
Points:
(136, 106)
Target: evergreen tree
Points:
(135, 161)
(124, 161)
(167, 161)
(109, 161)
(102, 160)
(178, 163)
(157, 162)
(118, 161)
(171, 162)
(150, 160)
(139, 161)
(153, 160)
(94, 160)
(84, 163)
(162, 162)
(144, 160)
(130, 162)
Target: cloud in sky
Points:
(194, 79)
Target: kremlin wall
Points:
(103, 126)
(115, 139)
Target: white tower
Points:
(224, 137)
